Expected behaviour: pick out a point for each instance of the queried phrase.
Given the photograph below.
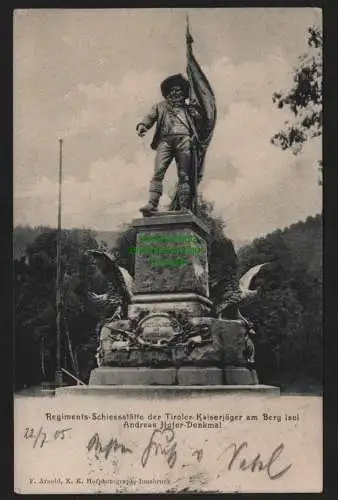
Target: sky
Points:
(88, 77)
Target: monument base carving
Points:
(169, 338)
(162, 340)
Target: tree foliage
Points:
(304, 98)
(35, 304)
(24, 236)
(288, 313)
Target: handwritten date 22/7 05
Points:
(41, 438)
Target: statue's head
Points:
(175, 89)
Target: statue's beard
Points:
(176, 100)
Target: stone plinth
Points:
(194, 375)
(240, 375)
(132, 376)
(182, 376)
(168, 392)
(171, 265)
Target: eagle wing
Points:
(123, 282)
(127, 281)
(245, 282)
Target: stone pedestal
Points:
(171, 265)
(169, 338)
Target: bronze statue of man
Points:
(176, 134)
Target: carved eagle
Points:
(122, 274)
(230, 295)
(249, 282)
(119, 277)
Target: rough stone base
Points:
(196, 376)
(156, 376)
(132, 376)
(238, 375)
(183, 376)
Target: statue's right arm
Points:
(148, 121)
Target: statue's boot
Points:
(152, 206)
(184, 197)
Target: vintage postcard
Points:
(168, 250)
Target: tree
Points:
(24, 236)
(287, 311)
(35, 314)
(304, 98)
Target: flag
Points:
(203, 96)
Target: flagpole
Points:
(189, 40)
(58, 373)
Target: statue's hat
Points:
(176, 80)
